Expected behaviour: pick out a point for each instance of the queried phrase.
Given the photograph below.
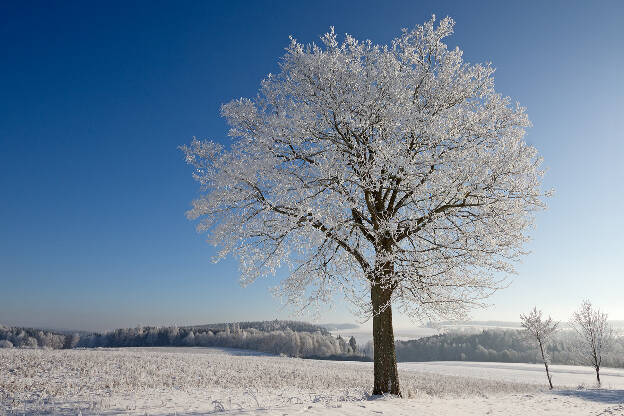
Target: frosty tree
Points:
(595, 335)
(393, 174)
(541, 330)
(353, 344)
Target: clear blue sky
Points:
(96, 97)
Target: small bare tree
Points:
(595, 335)
(541, 330)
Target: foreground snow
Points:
(202, 380)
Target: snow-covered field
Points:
(187, 381)
(566, 376)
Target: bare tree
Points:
(541, 330)
(595, 335)
(389, 174)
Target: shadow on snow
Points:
(595, 395)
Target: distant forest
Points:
(295, 339)
(266, 326)
(509, 346)
(300, 339)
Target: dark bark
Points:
(545, 364)
(597, 361)
(385, 365)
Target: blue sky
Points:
(96, 97)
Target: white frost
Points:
(204, 380)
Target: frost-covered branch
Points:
(355, 146)
(595, 335)
(541, 330)
(389, 173)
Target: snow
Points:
(516, 405)
(563, 375)
(197, 381)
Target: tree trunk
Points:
(545, 365)
(385, 366)
(548, 375)
(597, 360)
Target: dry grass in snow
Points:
(199, 381)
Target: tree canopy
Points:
(358, 155)
(392, 174)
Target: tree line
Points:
(295, 339)
(500, 345)
(33, 338)
(267, 326)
